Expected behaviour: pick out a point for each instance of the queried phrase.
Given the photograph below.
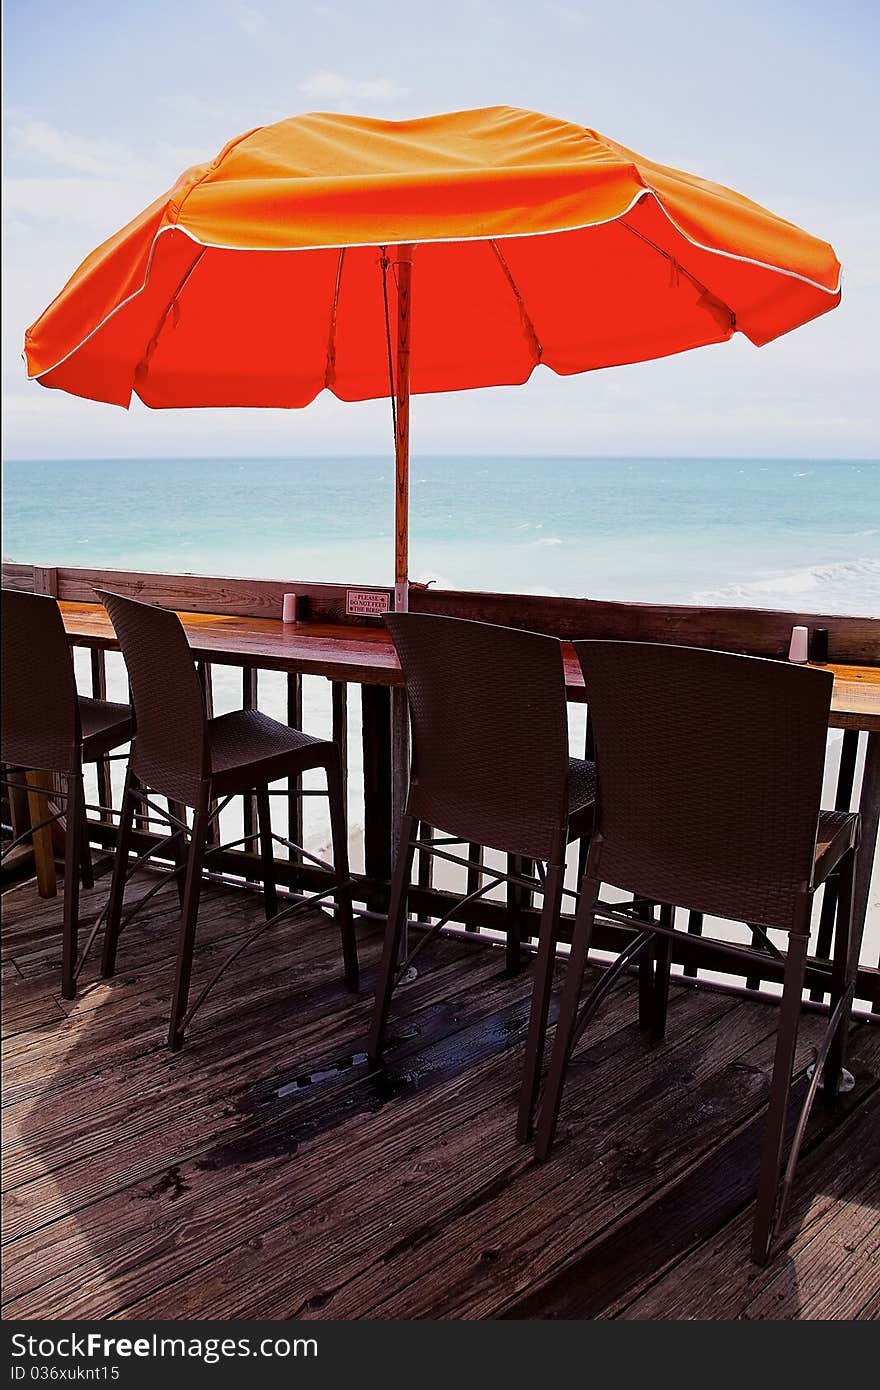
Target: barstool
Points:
(194, 761)
(710, 772)
(48, 727)
(490, 766)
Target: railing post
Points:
(376, 718)
(249, 827)
(99, 692)
(340, 733)
(206, 679)
(849, 749)
(294, 784)
(869, 809)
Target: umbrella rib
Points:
(330, 367)
(140, 370)
(529, 327)
(384, 264)
(711, 300)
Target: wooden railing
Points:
(751, 631)
(755, 631)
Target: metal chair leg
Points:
(661, 954)
(72, 864)
(568, 1013)
(646, 972)
(117, 883)
(188, 920)
(540, 1006)
(695, 928)
(513, 949)
(780, 1086)
(393, 933)
(267, 858)
(344, 913)
(843, 972)
(178, 847)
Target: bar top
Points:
(366, 656)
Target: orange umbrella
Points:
(286, 266)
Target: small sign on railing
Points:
(367, 603)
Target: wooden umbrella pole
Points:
(403, 263)
(399, 711)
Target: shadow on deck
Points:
(264, 1172)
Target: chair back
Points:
(170, 747)
(710, 772)
(41, 724)
(489, 732)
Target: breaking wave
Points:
(845, 587)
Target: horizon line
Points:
(506, 456)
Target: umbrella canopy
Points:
(538, 241)
(286, 266)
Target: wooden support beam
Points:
(401, 260)
(46, 580)
(41, 785)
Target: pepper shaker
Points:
(819, 646)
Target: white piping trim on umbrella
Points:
(440, 241)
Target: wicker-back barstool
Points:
(48, 727)
(200, 764)
(490, 767)
(710, 772)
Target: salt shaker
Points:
(797, 651)
(288, 608)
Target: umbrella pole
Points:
(401, 441)
(399, 711)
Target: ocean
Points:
(759, 532)
(772, 533)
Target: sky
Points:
(105, 103)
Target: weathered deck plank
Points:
(266, 1171)
(612, 1271)
(490, 1256)
(838, 1184)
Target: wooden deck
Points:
(265, 1173)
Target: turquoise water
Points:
(780, 533)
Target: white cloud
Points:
(39, 143)
(334, 86)
(44, 142)
(103, 204)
